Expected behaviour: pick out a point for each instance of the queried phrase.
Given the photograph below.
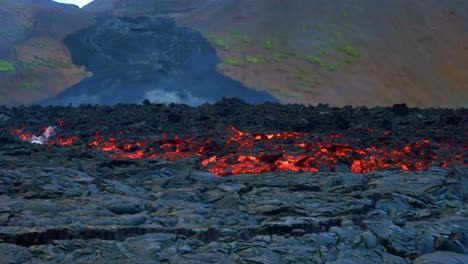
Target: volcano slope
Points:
(31, 40)
(133, 59)
(362, 52)
(138, 184)
(341, 52)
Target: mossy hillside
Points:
(331, 50)
(274, 55)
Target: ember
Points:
(244, 152)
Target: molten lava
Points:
(244, 152)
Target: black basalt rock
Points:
(133, 59)
(400, 109)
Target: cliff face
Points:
(339, 52)
(133, 59)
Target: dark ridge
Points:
(268, 117)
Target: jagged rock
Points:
(370, 240)
(365, 256)
(75, 204)
(444, 257)
(13, 254)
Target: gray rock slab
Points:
(442, 257)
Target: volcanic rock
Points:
(136, 59)
(14, 254)
(442, 257)
(75, 204)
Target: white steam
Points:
(42, 138)
(165, 97)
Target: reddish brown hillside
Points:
(340, 52)
(31, 34)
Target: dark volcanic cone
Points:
(133, 59)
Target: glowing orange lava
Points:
(244, 152)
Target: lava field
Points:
(233, 183)
(231, 137)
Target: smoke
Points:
(185, 97)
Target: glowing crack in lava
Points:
(44, 137)
(244, 152)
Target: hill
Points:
(326, 51)
(333, 51)
(137, 59)
(34, 62)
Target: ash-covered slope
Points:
(133, 59)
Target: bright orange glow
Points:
(244, 152)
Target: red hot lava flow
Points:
(244, 152)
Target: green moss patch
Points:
(218, 42)
(6, 66)
(349, 50)
(230, 61)
(346, 49)
(254, 59)
(315, 60)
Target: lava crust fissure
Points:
(313, 139)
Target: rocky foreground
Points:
(71, 204)
(112, 212)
